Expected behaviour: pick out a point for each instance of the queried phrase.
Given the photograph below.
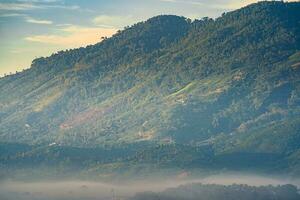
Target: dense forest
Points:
(210, 93)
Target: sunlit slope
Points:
(232, 82)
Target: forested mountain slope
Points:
(232, 83)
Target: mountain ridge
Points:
(167, 80)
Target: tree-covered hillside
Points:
(230, 84)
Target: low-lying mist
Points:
(92, 190)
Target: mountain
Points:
(229, 85)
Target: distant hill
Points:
(220, 192)
(231, 85)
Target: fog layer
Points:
(89, 190)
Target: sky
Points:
(33, 28)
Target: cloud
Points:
(234, 4)
(74, 36)
(172, 1)
(216, 4)
(18, 51)
(63, 25)
(31, 5)
(27, 18)
(194, 2)
(36, 21)
(72, 7)
(17, 6)
(12, 15)
(113, 21)
(40, 1)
